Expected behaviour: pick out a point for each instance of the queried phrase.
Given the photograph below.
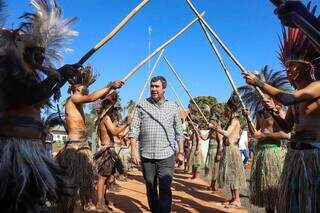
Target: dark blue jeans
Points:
(245, 155)
(161, 171)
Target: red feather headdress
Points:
(297, 47)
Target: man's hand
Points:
(212, 126)
(258, 135)
(69, 70)
(217, 158)
(129, 119)
(180, 157)
(135, 157)
(117, 84)
(245, 112)
(252, 79)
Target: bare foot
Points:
(89, 207)
(234, 204)
(227, 202)
(110, 205)
(100, 207)
(193, 179)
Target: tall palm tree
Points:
(130, 106)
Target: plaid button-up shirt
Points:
(157, 127)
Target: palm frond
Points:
(251, 97)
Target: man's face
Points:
(83, 90)
(294, 70)
(35, 55)
(157, 90)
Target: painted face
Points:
(294, 70)
(157, 90)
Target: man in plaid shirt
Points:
(158, 128)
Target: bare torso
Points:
(106, 137)
(235, 133)
(267, 125)
(23, 121)
(213, 135)
(75, 121)
(307, 117)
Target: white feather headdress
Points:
(47, 28)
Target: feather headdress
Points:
(54, 119)
(233, 103)
(85, 77)
(47, 28)
(295, 46)
(251, 97)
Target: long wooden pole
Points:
(226, 71)
(144, 61)
(113, 32)
(180, 104)
(147, 81)
(241, 67)
(185, 88)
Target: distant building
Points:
(59, 134)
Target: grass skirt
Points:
(197, 160)
(211, 165)
(299, 189)
(108, 162)
(29, 177)
(191, 156)
(265, 176)
(231, 169)
(77, 159)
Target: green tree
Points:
(211, 108)
(130, 105)
(205, 103)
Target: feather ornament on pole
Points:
(113, 32)
(185, 88)
(144, 61)
(206, 25)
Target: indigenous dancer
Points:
(231, 170)
(76, 155)
(187, 150)
(28, 176)
(212, 162)
(107, 160)
(197, 158)
(192, 148)
(299, 183)
(268, 162)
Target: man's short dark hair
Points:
(160, 78)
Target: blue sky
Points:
(248, 27)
